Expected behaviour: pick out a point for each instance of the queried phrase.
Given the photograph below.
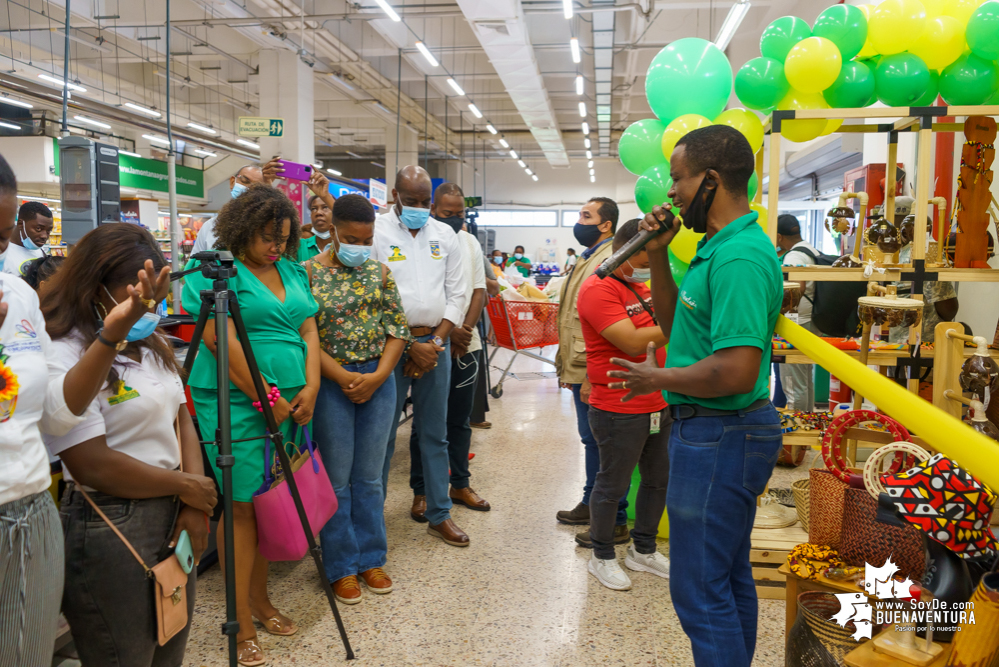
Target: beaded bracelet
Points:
(272, 398)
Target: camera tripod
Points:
(218, 266)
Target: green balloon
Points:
(932, 90)
(872, 64)
(844, 26)
(754, 183)
(641, 145)
(854, 87)
(691, 75)
(982, 33)
(676, 267)
(653, 187)
(900, 79)
(760, 84)
(968, 80)
(780, 37)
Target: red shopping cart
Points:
(520, 326)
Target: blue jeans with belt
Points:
(352, 439)
(718, 466)
(430, 392)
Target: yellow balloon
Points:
(802, 130)
(813, 64)
(934, 8)
(960, 10)
(896, 24)
(868, 49)
(680, 127)
(831, 126)
(941, 43)
(684, 244)
(759, 208)
(747, 122)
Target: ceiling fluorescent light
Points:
(10, 126)
(334, 172)
(592, 172)
(201, 128)
(574, 49)
(341, 81)
(248, 144)
(731, 23)
(387, 8)
(586, 127)
(589, 155)
(378, 164)
(579, 84)
(91, 121)
(492, 130)
(522, 164)
(567, 8)
(590, 164)
(58, 82)
(422, 48)
(529, 172)
(156, 140)
(475, 110)
(128, 153)
(504, 143)
(586, 142)
(354, 155)
(205, 153)
(454, 85)
(141, 109)
(582, 109)
(514, 155)
(593, 179)
(534, 176)
(17, 103)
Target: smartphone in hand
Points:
(295, 171)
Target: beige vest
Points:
(570, 362)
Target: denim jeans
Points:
(351, 439)
(430, 420)
(592, 453)
(718, 466)
(108, 599)
(459, 433)
(626, 441)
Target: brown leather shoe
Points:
(469, 499)
(482, 425)
(377, 581)
(419, 509)
(347, 590)
(449, 532)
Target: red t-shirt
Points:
(602, 303)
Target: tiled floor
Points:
(519, 596)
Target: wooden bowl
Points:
(889, 311)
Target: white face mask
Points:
(638, 275)
(323, 235)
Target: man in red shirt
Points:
(617, 318)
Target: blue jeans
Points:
(593, 456)
(351, 439)
(430, 392)
(718, 466)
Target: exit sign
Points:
(250, 126)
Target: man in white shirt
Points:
(18, 244)
(244, 177)
(796, 379)
(425, 258)
(466, 350)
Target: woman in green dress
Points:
(261, 229)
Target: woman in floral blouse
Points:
(362, 333)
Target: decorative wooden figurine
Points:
(883, 243)
(974, 193)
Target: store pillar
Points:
(286, 93)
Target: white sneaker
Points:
(654, 563)
(609, 573)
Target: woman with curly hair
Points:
(261, 229)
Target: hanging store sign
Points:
(250, 126)
(145, 174)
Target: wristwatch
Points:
(438, 341)
(119, 346)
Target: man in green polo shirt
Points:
(726, 435)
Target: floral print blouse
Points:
(356, 312)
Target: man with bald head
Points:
(424, 256)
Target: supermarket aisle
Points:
(519, 596)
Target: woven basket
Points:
(815, 640)
(801, 491)
(867, 540)
(827, 494)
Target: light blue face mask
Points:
(144, 328)
(638, 275)
(352, 255)
(238, 189)
(413, 217)
(518, 255)
(323, 235)
(27, 242)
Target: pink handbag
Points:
(279, 531)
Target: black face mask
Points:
(586, 234)
(455, 222)
(696, 217)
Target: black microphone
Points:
(612, 263)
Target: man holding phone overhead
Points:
(726, 435)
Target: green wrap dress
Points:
(272, 327)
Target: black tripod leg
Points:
(207, 302)
(251, 362)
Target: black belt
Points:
(686, 411)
